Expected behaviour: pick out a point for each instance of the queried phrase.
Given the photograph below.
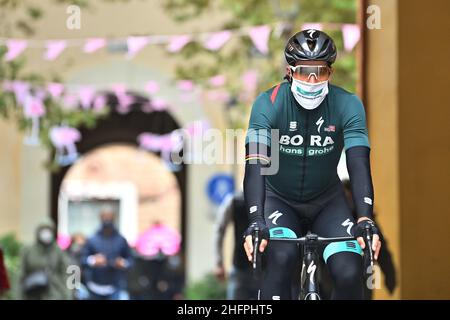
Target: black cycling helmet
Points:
(310, 44)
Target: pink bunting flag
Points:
(125, 102)
(159, 104)
(217, 81)
(260, 37)
(135, 44)
(217, 40)
(99, 103)
(55, 89)
(315, 26)
(15, 47)
(351, 34)
(93, 44)
(178, 42)
(151, 87)
(54, 49)
(185, 85)
(86, 95)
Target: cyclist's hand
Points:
(359, 232)
(248, 239)
(219, 273)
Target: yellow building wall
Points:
(424, 114)
(408, 103)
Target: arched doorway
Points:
(118, 133)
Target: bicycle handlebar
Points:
(316, 238)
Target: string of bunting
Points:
(212, 41)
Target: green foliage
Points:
(21, 15)
(237, 57)
(11, 250)
(208, 288)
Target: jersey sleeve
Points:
(354, 123)
(262, 119)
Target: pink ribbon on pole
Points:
(93, 44)
(351, 34)
(160, 143)
(54, 49)
(64, 139)
(33, 109)
(178, 42)
(217, 40)
(260, 37)
(135, 44)
(15, 47)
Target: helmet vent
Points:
(311, 44)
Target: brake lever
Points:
(256, 258)
(368, 240)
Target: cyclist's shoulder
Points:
(273, 94)
(344, 100)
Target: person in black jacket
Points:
(385, 260)
(241, 285)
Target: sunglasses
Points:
(305, 72)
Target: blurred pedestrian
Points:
(241, 284)
(385, 260)
(43, 267)
(105, 258)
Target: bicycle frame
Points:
(309, 285)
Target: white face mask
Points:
(309, 95)
(46, 236)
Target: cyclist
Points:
(316, 120)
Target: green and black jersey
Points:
(310, 141)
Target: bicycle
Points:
(309, 285)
